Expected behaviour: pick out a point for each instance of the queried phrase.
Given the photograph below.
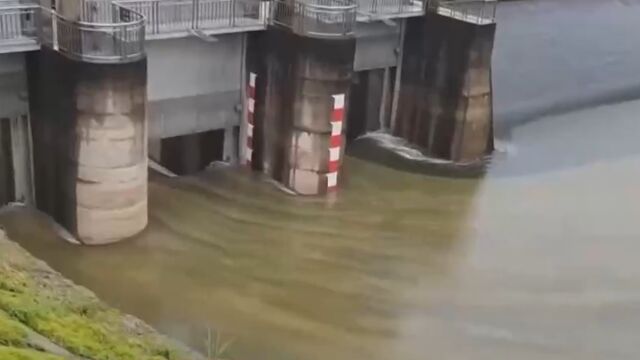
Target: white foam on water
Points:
(505, 147)
(280, 187)
(401, 147)
(161, 169)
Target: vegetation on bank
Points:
(46, 317)
(13, 353)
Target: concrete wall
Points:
(13, 86)
(89, 137)
(377, 45)
(189, 154)
(15, 137)
(7, 181)
(194, 86)
(16, 167)
(370, 101)
(377, 54)
(445, 98)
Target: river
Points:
(537, 259)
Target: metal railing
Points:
(105, 32)
(114, 32)
(110, 34)
(175, 16)
(479, 12)
(390, 7)
(324, 18)
(18, 22)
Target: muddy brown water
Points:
(536, 260)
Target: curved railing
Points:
(111, 34)
(114, 32)
(390, 8)
(479, 12)
(18, 25)
(325, 18)
(173, 18)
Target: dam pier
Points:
(314, 192)
(92, 89)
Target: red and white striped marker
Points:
(337, 117)
(251, 107)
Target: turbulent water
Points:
(537, 259)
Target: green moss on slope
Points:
(33, 295)
(7, 353)
(12, 333)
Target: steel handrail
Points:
(330, 8)
(140, 20)
(99, 42)
(472, 11)
(390, 8)
(18, 25)
(320, 18)
(316, 19)
(186, 16)
(115, 5)
(19, 7)
(118, 39)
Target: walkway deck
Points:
(167, 19)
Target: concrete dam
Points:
(94, 88)
(532, 257)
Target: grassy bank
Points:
(43, 316)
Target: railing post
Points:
(38, 24)
(194, 14)
(492, 11)
(330, 19)
(271, 13)
(116, 35)
(122, 43)
(155, 14)
(303, 17)
(54, 31)
(232, 21)
(495, 9)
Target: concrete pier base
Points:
(445, 103)
(90, 145)
(297, 124)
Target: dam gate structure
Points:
(92, 90)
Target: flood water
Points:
(538, 259)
